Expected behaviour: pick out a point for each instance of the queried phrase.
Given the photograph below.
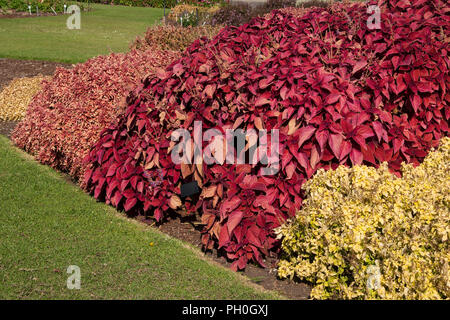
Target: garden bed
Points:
(6, 127)
(185, 230)
(358, 108)
(175, 227)
(48, 224)
(11, 69)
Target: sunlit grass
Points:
(103, 30)
(48, 224)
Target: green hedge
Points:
(138, 3)
(58, 5)
(45, 6)
(157, 3)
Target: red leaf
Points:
(415, 102)
(315, 157)
(378, 128)
(290, 169)
(356, 157)
(335, 142)
(346, 147)
(233, 220)
(261, 101)
(230, 204)
(252, 236)
(322, 137)
(332, 98)
(224, 236)
(209, 90)
(304, 134)
(129, 204)
(302, 160)
(111, 170)
(359, 65)
(116, 199)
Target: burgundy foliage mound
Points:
(65, 118)
(339, 93)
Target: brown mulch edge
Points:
(11, 68)
(7, 127)
(181, 228)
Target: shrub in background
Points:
(65, 118)
(190, 15)
(15, 97)
(137, 3)
(313, 3)
(360, 223)
(181, 8)
(173, 37)
(44, 6)
(158, 3)
(204, 3)
(302, 7)
(238, 13)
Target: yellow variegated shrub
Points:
(364, 233)
(16, 96)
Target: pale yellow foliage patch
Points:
(364, 233)
(16, 96)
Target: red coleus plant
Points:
(65, 118)
(338, 92)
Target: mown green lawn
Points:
(103, 30)
(48, 224)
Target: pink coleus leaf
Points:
(233, 220)
(304, 134)
(359, 65)
(129, 204)
(356, 157)
(335, 141)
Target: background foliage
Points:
(44, 6)
(173, 37)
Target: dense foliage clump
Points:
(174, 37)
(365, 233)
(64, 119)
(137, 3)
(338, 92)
(190, 15)
(15, 97)
(238, 13)
(157, 3)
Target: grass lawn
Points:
(103, 30)
(47, 224)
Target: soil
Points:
(6, 128)
(10, 69)
(180, 228)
